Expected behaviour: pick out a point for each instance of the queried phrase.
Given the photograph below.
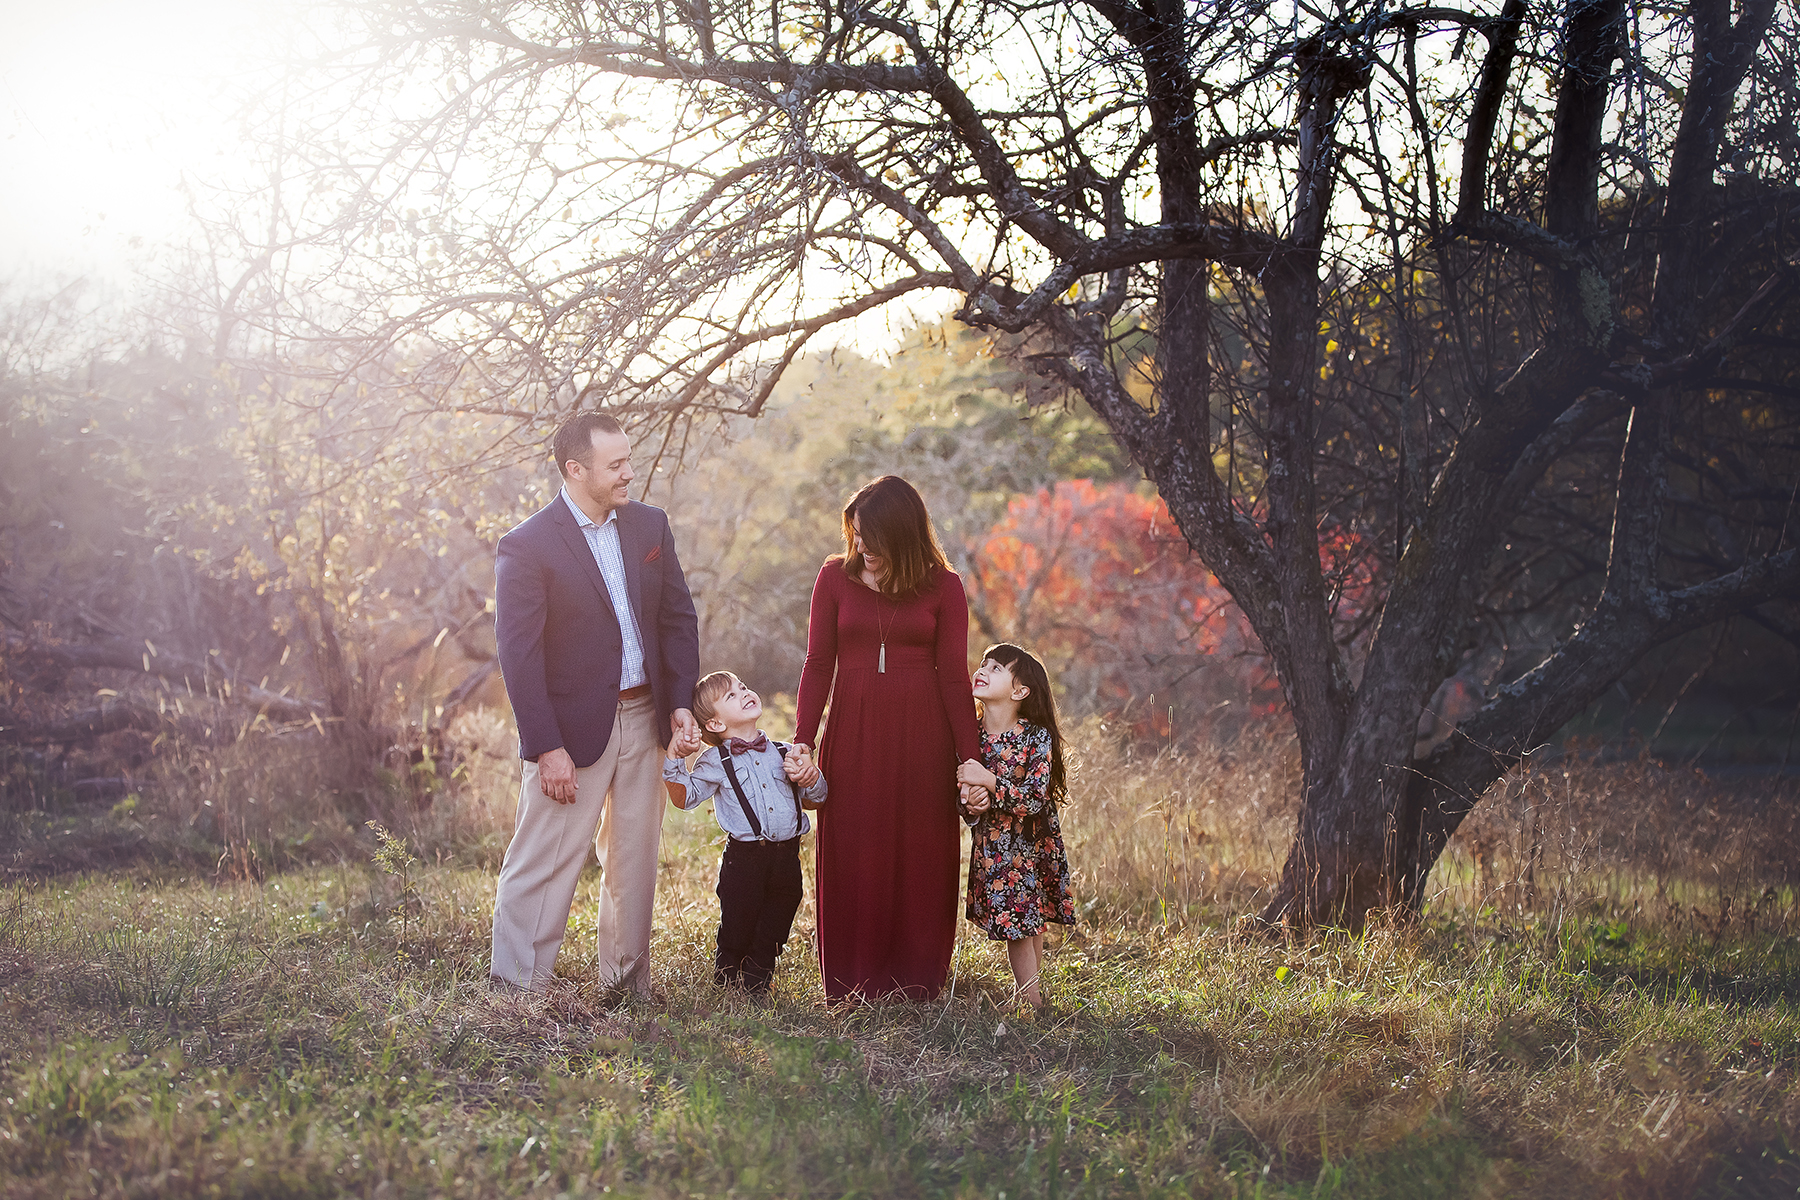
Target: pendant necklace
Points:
(882, 625)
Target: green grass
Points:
(326, 1031)
(185, 1039)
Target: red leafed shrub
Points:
(1098, 582)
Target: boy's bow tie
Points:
(740, 746)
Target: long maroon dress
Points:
(889, 837)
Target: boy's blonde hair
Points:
(707, 693)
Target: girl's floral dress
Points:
(1018, 882)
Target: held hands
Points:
(685, 743)
(686, 740)
(975, 785)
(799, 766)
(974, 774)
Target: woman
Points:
(890, 622)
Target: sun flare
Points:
(110, 108)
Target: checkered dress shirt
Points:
(603, 540)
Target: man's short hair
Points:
(707, 694)
(574, 438)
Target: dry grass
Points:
(1599, 1002)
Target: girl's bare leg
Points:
(1026, 957)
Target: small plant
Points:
(396, 861)
(391, 854)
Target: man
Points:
(600, 648)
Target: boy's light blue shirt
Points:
(765, 785)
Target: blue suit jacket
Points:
(560, 645)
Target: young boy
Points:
(758, 788)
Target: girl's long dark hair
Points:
(1038, 707)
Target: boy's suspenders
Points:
(725, 757)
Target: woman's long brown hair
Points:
(896, 527)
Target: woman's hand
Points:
(972, 772)
(799, 766)
(975, 800)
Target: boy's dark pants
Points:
(759, 893)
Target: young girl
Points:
(1018, 872)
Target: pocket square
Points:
(655, 553)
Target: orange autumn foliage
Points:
(1099, 582)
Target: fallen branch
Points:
(123, 655)
(109, 717)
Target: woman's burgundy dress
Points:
(889, 837)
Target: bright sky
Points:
(106, 107)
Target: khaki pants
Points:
(620, 796)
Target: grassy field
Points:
(1599, 1001)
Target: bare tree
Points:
(1414, 278)
(231, 551)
